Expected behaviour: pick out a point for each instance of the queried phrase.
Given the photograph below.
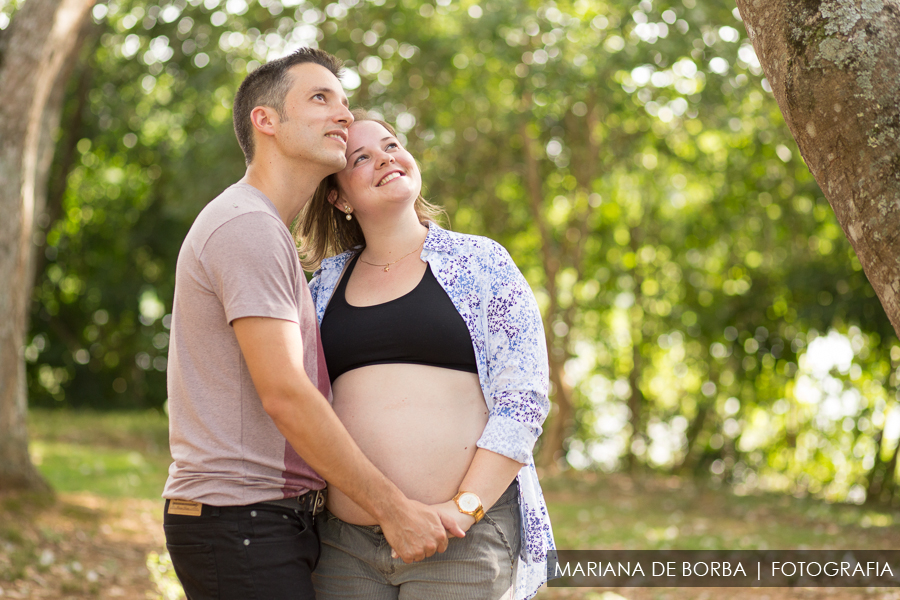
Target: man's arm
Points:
(273, 351)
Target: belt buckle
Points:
(318, 502)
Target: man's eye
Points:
(319, 96)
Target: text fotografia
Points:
(724, 568)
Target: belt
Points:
(312, 501)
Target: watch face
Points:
(469, 502)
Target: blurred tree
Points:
(35, 61)
(835, 71)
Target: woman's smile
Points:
(389, 177)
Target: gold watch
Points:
(469, 503)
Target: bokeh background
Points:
(705, 315)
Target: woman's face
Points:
(379, 172)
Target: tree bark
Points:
(35, 50)
(834, 69)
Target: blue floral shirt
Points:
(504, 322)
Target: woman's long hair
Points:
(322, 230)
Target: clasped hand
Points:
(427, 530)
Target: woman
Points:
(438, 361)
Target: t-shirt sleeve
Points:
(252, 266)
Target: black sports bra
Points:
(421, 327)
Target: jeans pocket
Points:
(282, 562)
(279, 526)
(195, 565)
(504, 521)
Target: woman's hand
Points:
(450, 516)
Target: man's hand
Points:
(452, 519)
(417, 532)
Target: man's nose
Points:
(344, 115)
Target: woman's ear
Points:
(333, 197)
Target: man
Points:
(251, 427)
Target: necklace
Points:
(387, 267)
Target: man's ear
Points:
(333, 197)
(264, 119)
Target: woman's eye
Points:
(391, 145)
(359, 158)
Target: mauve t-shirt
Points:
(238, 260)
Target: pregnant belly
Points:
(417, 424)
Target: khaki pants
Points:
(356, 561)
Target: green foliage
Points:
(626, 154)
(113, 454)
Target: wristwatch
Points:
(469, 503)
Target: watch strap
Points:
(478, 513)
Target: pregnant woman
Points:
(437, 356)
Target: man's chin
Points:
(336, 164)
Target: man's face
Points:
(313, 127)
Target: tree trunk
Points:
(889, 483)
(35, 50)
(554, 440)
(558, 423)
(636, 396)
(693, 436)
(875, 476)
(834, 69)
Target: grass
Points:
(146, 431)
(112, 455)
(102, 534)
(94, 536)
(617, 512)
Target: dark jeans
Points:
(258, 551)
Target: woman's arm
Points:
(518, 374)
(488, 477)
(517, 365)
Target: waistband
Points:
(510, 494)
(312, 501)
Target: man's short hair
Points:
(268, 86)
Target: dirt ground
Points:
(79, 546)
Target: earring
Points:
(347, 210)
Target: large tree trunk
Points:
(835, 71)
(34, 50)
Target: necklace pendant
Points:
(387, 268)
